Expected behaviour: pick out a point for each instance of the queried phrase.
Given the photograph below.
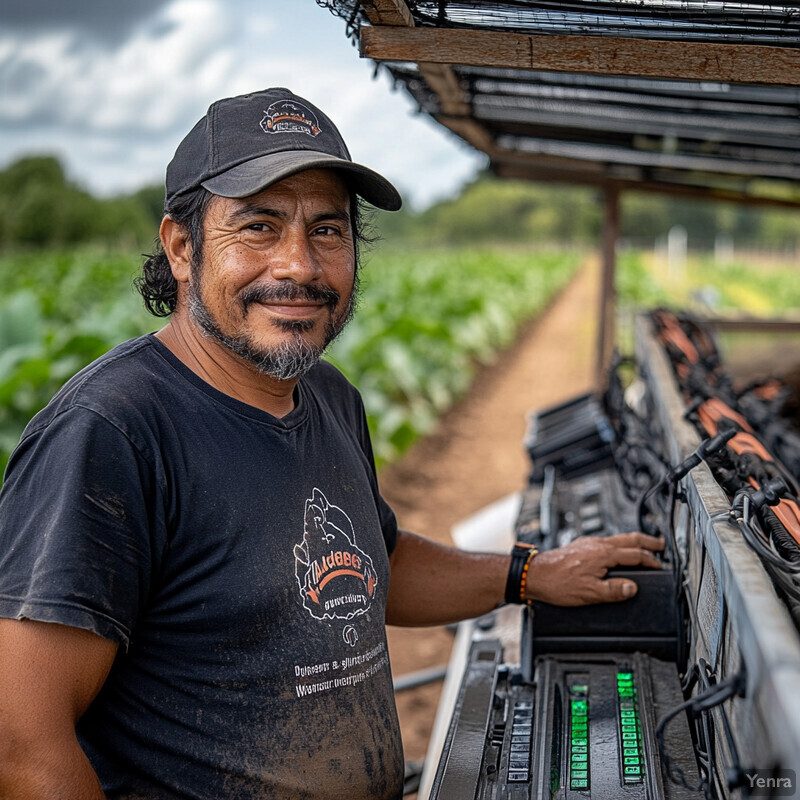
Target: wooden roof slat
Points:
(443, 81)
(587, 54)
(388, 12)
(469, 130)
(743, 94)
(533, 170)
(609, 154)
(438, 75)
(557, 154)
(723, 133)
(532, 92)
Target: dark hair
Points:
(156, 284)
(158, 287)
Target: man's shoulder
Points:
(117, 380)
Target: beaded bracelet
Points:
(521, 557)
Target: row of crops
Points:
(424, 322)
(427, 319)
(755, 285)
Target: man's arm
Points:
(49, 674)
(432, 584)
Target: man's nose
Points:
(295, 259)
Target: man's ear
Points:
(178, 247)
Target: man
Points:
(196, 565)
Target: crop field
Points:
(757, 286)
(425, 320)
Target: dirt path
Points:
(476, 457)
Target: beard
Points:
(292, 357)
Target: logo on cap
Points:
(287, 116)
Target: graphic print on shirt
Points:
(337, 579)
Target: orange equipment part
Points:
(713, 410)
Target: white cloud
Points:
(115, 114)
(153, 85)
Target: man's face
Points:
(276, 282)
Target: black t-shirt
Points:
(240, 560)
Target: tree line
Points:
(41, 207)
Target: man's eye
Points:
(327, 230)
(258, 226)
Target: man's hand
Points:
(575, 575)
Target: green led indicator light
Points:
(630, 728)
(578, 751)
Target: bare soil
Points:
(476, 456)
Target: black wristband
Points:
(520, 557)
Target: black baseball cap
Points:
(245, 144)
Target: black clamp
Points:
(707, 447)
(769, 494)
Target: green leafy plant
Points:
(425, 321)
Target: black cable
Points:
(781, 571)
(706, 448)
(712, 696)
(752, 533)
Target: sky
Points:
(112, 86)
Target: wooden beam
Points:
(388, 12)
(752, 325)
(736, 63)
(443, 81)
(470, 131)
(547, 173)
(582, 166)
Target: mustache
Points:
(324, 295)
